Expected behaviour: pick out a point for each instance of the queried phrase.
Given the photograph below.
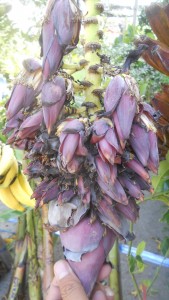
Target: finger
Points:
(99, 295)
(102, 290)
(54, 292)
(105, 272)
(68, 283)
(109, 293)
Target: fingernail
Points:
(109, 292)
(62, 269)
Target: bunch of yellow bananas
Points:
(14, 187)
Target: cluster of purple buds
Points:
(60, 33)
(97, 170)
(92, 172)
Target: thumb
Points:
(68, 283)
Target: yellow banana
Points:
(9, 200)
(6, 160)
(25, 183)
(11, 175)
(20, 194)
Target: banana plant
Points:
(88, 158)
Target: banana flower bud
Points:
(30, 126)
(87, 244)
(72, 141)
(53, 98)
(25, 90)
(114, 191)
(104, 136)
(130, 211)
(114, 92)
(66, 17)
(106, 171)
(138, 138)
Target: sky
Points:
(20, 14)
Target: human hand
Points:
(66, 285)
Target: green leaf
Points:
(7, 214)
(165, 246)
(140, 265)
(161, 181)
(140, 248)
(163, 198)
(19, 154)
(146, 282)
(165, 217)
(132, 263)
(2, 138)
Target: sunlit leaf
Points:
(140, 247)
(140, 265)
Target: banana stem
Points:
(19, 272)
(19, 259)
(48, 256)
(92, 47)
(20, 236)
(115, 273)
(33, 274)
(39, 241)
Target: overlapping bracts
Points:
(92, 171)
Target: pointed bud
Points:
(114, 191)
(40, 189)
(114, 92)
(138, 168)
(130, 211)
(103, 170)
(139, 141)
(30, 126)
(67, 20)
(119, 130)
(106, 151)
(111, 138)
(133, 189)
(154, 155)
(68, 148)
(99, 129)
(52, 51)
(21, 97)
(145, 186)
(14, 122)
(53, 98)
(126, 111)
(50, 194)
